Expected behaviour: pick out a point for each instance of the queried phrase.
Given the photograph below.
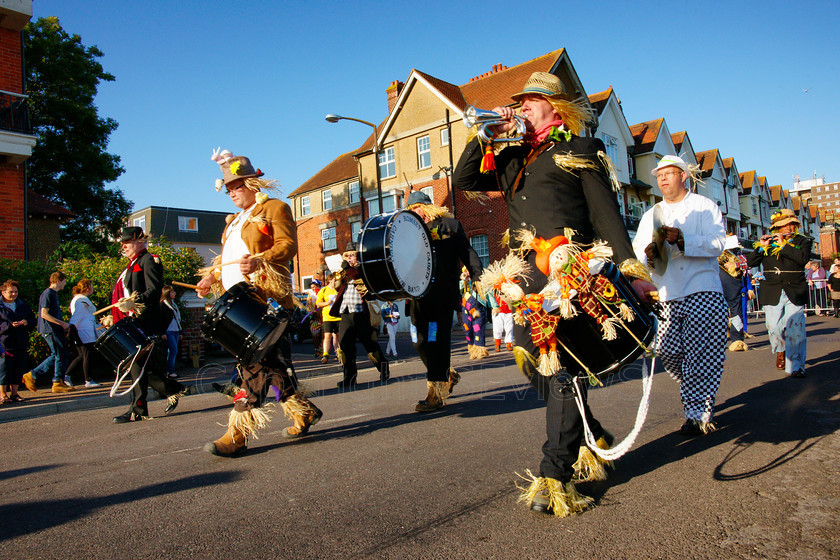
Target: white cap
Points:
(669, 161)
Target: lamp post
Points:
(335, 118)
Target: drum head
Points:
(410, 252)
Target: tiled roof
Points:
(747, 179)
(796, 202)
(37, 204)
(678, 138)
(450, 91)
(645, 135)
(341, 168)
(494, 89)
(775, 193)
(813, 210)
(706, 161)
(599, 100)
(762, 181)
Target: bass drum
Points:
(395, 256)
(122, 341)
(581, 334)
(243, 325)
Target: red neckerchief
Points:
(536, 138)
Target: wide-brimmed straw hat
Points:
(784, 217)
(133, 233)
(544, 84)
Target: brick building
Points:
(16, 140)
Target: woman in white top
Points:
(173, 330)
(81, 310)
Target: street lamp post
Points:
(335, 118)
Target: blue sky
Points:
(257, 77)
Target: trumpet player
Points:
(783, 293)
(554, 179)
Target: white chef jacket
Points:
(695, 269)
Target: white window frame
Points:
(326, 199)
(305, 207)
(329, 241)
(430, 192)
(444, 137)
(611, 144)
(355, 229)
(424, 152)
(354, 192)
(140, 222)
(184, 223)
(387, 163)
(481, 244)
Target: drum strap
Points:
(535, 153)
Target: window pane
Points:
(328, 241)
(354, 192)
(186, 223)
(481, 246)
(444, 137)
(326, 196)
(387, 163)
(304, 206)
(424, 153)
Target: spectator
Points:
(54, 330)
(391, 316)
(16, 322)
(816, 277)
(171, 316)
(84, 334)
(835, 267)
(834, 286)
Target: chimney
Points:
(496, 68)
(393, 93)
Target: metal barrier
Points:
(819, 301)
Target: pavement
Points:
(217, 368)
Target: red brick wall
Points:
(11, 77)
(11, 218)
(310, 259)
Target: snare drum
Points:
(395, 256)
(122, 341)
(582, 335)
(243, 325)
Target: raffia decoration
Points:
(477, 196)
(432, 211)
(612, 174)
(563, 499)
(572, 163)
(249, 422)
(575, 114)
(589, 466)
(634, 269)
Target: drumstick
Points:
(104, 309)
(184, 285)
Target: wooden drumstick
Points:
(184, 285)
(104, 309)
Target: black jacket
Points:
(452, 248)
(145, 276)
(550, 198)
(16, 339)
(784, 272)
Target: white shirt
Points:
(234, 249)
(696, 269)
(175, 323)
(82, 310)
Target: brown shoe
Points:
(435, 399)
(232, 444)
(29, 381)
(304, 413)
(61, 387)
(454, 378)
(780, 360)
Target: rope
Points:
(120, 378)
(620, 449)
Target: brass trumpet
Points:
(474, 116)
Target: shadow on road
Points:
(38, 515)
(8, 475)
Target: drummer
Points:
(257, 244)
(566, 185)
(432, 314)
(137, 294)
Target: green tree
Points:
(70, 165)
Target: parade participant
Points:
(784, 291)
(312, 293)
(353, 310)
(137, 294)
(54, 330)
(391, 316)
(257, 245)
(691, 337)
(553, 180)
(502, 324)
(732, 282)
(474, 314)
(16, 322)
(432, 314)
(326, 297)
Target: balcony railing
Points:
(631, 222)
(14, 112)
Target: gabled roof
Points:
(706, 160)
(775, 193)
(678, 138)
(822, 214)
(599, 100)
(645, 135)
(813, 210)
(341, 168)
(796, 201)
(762, 181)
(786, 193)
(40, 206)
(747, 179)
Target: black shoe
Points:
(799, 374)
(126, 418)
(691, 428)
(172, 401)
(540, 505)
(384, 372)
(346, 383)
(228, 389)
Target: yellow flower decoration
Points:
(234, 167)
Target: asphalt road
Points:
(377, 480)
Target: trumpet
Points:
(474, 116)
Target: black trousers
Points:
(153, 376)
(356, 326)
(434, 337)
(274, 369)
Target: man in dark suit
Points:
(137, 294)
(784, 290)
(554, 179)
(432, 314)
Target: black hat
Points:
(133, 233)
(418, 197)
(351, 246)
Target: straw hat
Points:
(542, 83)
(784, 217)
(233, 168)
